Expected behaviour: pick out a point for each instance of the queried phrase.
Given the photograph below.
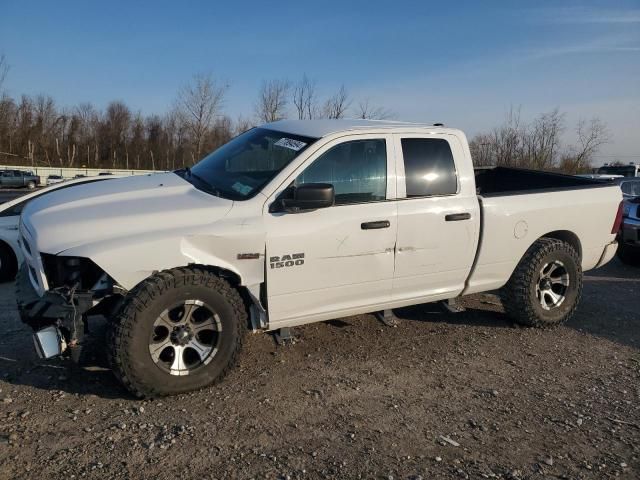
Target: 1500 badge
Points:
(295, 259)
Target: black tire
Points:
(130, 333)
(629, 255)
(8, 263)
(21, 292)
(31, 185)
(520, 295)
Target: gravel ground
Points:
(442, 395)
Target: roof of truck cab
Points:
(322, 128)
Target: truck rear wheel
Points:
(545, 288)
(179, 330)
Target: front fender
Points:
(130, 261)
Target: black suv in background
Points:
(629, 237)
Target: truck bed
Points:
(500, 181)
(518, 206)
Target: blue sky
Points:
(463, 63)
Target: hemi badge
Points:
(248, 256)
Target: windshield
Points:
(239, 169)
(626, 170)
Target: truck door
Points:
(438, 217)
(329, 262)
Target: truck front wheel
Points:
(179, 330)
(545, 288)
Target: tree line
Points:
(35, 131)
(538, 145)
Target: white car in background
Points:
(600, 176)
(53, 179)
(10, 251)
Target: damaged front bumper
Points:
(49, 342)
(59, 318)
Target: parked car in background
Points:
(79, 175)
(630, 170)
(103, 174)
(599, 176)
(53, 179)
(18, 179)
(10, 252)
(629, 237)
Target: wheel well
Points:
(236, 282)
(232, 277)
(568, 237)
(4, 245)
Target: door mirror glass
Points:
(309, 196)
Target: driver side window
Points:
(356, 169)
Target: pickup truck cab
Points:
(297, 222)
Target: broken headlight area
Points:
(74, 273)
(78, 291)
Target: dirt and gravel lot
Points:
(443, 395)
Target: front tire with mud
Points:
(177, 331)
(545, 288)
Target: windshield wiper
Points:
(208, 187)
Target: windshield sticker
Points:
(290, 144)
(241, 188)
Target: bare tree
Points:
(541, 141)
(337, 104)
(592, 135)
(366, 110)
(304, 98)
(242, 125)
(272, 100)
(117, 123)
(198, 104)
(504, 143)
(89, 120)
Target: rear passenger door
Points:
(438, 217)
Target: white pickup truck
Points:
(297, 222)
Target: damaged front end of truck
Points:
(59, 297)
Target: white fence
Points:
(44, 172)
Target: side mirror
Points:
(309, 196)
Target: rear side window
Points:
(429, 167)
(357, 170)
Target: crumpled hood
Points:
(119, 208)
